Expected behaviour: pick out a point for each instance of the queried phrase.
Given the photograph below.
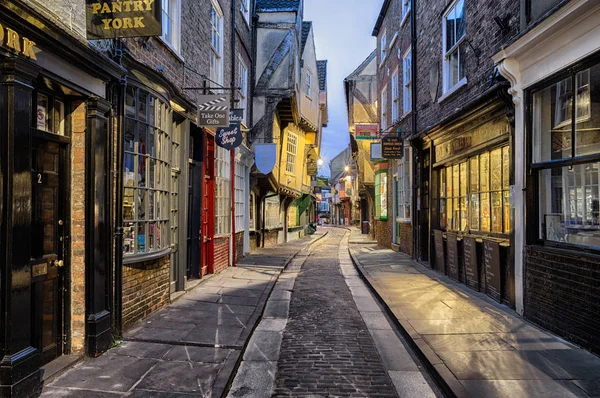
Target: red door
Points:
(208, 209)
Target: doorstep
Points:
(59, 365)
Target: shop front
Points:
(56, 226)
(471, 217)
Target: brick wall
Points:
(562, 294)
(145, 289)
(405, 234)
(221, 253)
(78, 119)
(484, 36)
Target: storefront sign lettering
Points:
(20, 45)
(213, 111)
(123, 18)
(392, 147)
(229, 137)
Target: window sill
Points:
(171, 49)
(453, 90)
(141, 258)
(391, 45)
(403, 220)
(405, 115)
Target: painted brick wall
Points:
(221, 253)
(405, 240)
(145, 289)
(562, 294)
(484, 36)
(78, 119)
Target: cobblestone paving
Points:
(326, 349)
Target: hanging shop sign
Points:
(265, 157)
(19, 44)
(111, 19)
(231, 137)
(376, 151)
(392, 147)
(213, 110)
(366, 131)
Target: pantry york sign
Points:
(110, 19)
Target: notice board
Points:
(452, 257)
(440, 263)
(491, 262)
(471, 263)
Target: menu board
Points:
(493, 276)
(452, 258)
(470, 259)
(440, 264)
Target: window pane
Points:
(453, 72)
(474, 183)
(474, 212)
(460, 20)
(450, 30)
(505, 167)
(455, 181)
(463, 179)
(485, 212)
(130, 101)
(141, 213)
(128, 204)
(42, 112)
(129, 238)
(443, 213)
(496, 168)
(484, 176)
(129, 170)
(443, 183)
(552, 109)
(142, 106)
(570, 205)
(130, 135)
(59, 117)
(141, 242)
(497, 211)
(507, 221)
(588, 111)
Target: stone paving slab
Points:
(191, 347)
(474, 346)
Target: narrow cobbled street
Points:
(335, 339)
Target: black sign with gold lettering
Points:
(392, 147)
(110, 19)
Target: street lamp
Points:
(347, 168)
(320, 162)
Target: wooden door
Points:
(49, 250)
(208, 208)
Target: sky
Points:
(342, 30)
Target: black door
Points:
(49, 259)
(194, 205)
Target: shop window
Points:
(403, 186)
(454, 32)
(50, 114)
(222, 192)
(252, 212)
(171, 22)
(272, 214)
(146, 173)
(566, 153)
(240, 211)
(475, 194)
(292, 151)
(381, 211)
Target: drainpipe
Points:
(118, 234)
(413, 50)
(232, 151)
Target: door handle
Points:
(206, 239)
(57, 263)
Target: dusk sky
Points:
(343, 37)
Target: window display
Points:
(474, 194)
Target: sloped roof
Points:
(322, 71)
(362, 66)
(277, 5)
(306, 25)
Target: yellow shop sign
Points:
(22, 45)
(123, 18)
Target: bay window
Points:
(565, 125)
(147, 173)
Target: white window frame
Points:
(245, 9)
(456, 47)
(407, 81)
(272, 213)
(308, 85)
(582, 81)
(404, 186)
(240, 203)
(243, 86)
(222, 192)
(292, 152)
(395, 97)
(171, 9)
(383, 45)
(405, 11)
(216, 41)
(384, 108)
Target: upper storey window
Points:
(454, 32)
(384, 48)
(171, 19)
(216, 40)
